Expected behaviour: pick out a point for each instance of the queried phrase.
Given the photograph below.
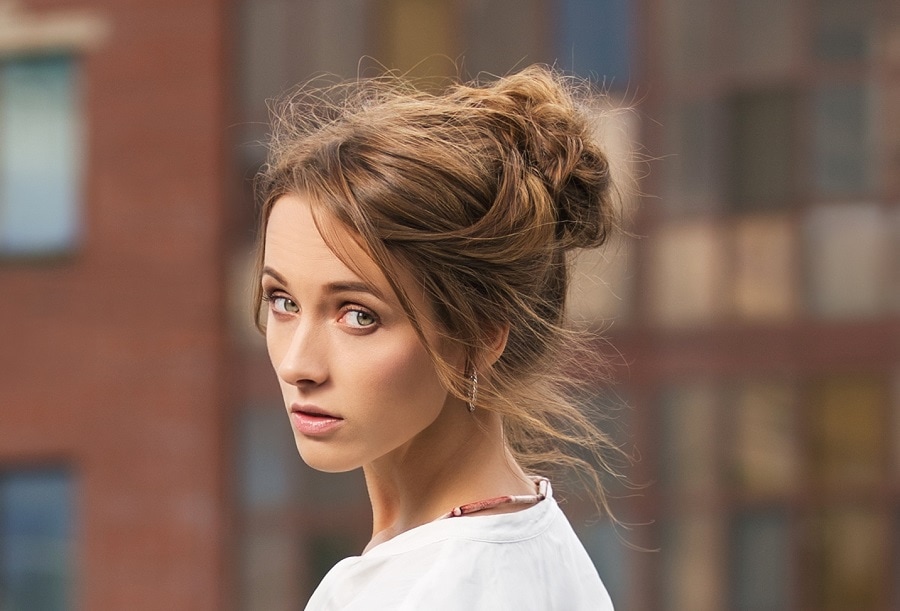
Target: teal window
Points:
(36, 546)
(41, 155)
(595, 40)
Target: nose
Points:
(304, 360)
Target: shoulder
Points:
(525, 560)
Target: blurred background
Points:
(754, 314)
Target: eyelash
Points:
(270, 296)
(351, 309)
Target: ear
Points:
(496, 344)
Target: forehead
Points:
(294, 241)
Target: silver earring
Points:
(473, 391)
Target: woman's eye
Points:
(283, 305)
(358, 319)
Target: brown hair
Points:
(479, 193)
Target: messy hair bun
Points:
(548, 132)
(478, 193)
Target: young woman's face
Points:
(357, 382)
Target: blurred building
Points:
(757, 310)
(767, 335)
(114, 402)
(145, 460)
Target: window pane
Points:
(338, 32)
(848, 423)
(325, 548)
(693, 172)
(36, 541)
(765, 453)
(687, 274)
(770, 52)
(762, 157)
(689, 453)
(289, 529)
(602, 281)
(501, 34)
(765, 277)
(608, 551)
(692, 567)
(761, 564)
(40, 153)
(417, 36)
(849, 558)
(272, 474)
(595, 40)
(270, 575)
(845, 29)
(689, 48)
(266, 456)
(324, 490)
(851, 260)
(601, 284)
(843, 140)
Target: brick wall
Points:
(113, 358)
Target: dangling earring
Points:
(473, 391)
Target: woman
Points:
(413, 275)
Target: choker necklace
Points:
(541, 483)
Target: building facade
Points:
(753, 315)
(767, 339)
(113, 411)
(756, 310)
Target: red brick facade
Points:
(113, 357)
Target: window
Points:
(844, 30)
(844, 139)
(759, 540)
(769, 54)
(762, 154)
(850, 259)
(36, 540)
(774, 492)
(595, 40)
(295, 523)
(40, 155)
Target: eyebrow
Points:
(333, 287)
(268, 271)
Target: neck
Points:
(460, 458)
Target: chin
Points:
(326, 460)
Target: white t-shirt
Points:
(528, 559)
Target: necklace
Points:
(541, 484)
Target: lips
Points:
(313, 421)
(312, 410)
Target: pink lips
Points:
(313, 421)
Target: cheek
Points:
(275, 342)
(407, 377)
